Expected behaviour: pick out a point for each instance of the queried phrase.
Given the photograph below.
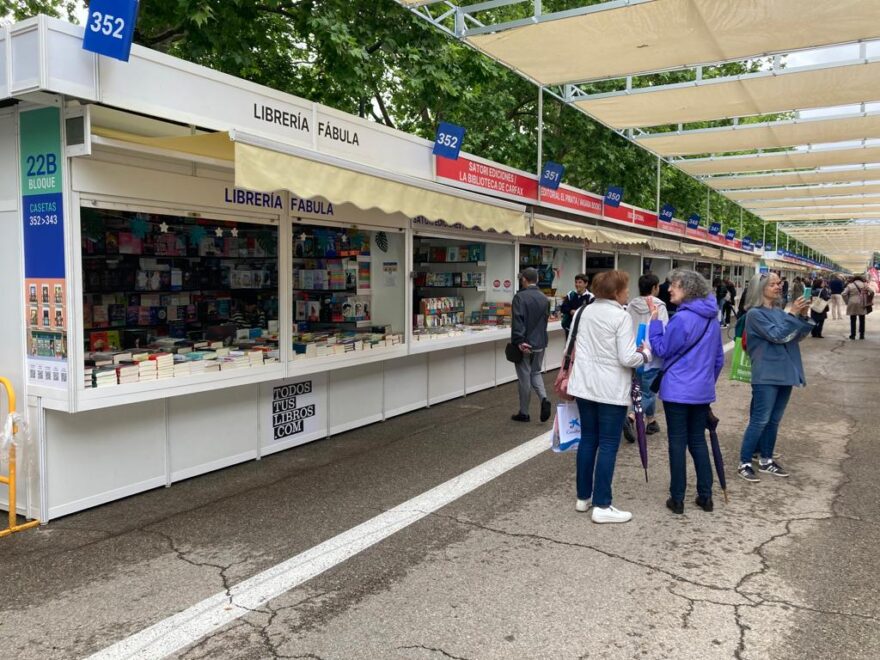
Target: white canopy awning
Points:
(814, 203)
(665, 34)
(804, 192)
(761, 95)
(771, 135)
(543, 226)
(664, 245)
(808, 177)
(616, 237)
(787, 160)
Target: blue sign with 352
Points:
(110, 27)
(447, 142)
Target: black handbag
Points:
(512, 353)
(655, 384)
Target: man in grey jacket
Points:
(531, 308)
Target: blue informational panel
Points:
(667, 212)
(551, 175)
(110, 27)
(747, 243)
(715, 228)
(613, 196)
(694, 221)
(759, 243)
(769, 247)
(730, 235)
(447, 142)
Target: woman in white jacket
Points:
(600, 381)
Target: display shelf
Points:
(481, 264)
(306, 366)
(425, 286)
(472, 337)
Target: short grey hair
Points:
(691, 282)
(530, 275)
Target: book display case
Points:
(556, 268)
(332, 284)
(168, 297)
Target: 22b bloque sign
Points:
(292, 405)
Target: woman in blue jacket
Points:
(772, 337)
(693, 357)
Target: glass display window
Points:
(167, 296)
(348, 290)
(460, 286)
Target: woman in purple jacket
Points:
(693, 357)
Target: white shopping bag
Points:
(566, 427)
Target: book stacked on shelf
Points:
(164, 364)
(147, 370)
(127, 372)
(105, 377)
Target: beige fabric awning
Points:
(804, 192)
(806, 214)
(653, 36)
(810, 177)
(710, 252)
(788, 160)
(738, 257)
(664, 245)
(767, 94)
(690, 248)
(265, 170)
(617, 237)
(570, 229)
(747, 137)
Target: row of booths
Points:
(205, 271)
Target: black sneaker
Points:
(545, 409)
(773, 468)
(676, 506)
(628, 431)
(705, 503)
(519, 417)
(652, 428)
(747, 473)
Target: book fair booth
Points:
(207, 277)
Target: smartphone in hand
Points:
(808, 292)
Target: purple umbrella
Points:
(712, 425)
(641, 436)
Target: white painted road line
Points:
(208, 616)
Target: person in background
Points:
(574, 300)
(639, 310)
(784, 290)
(720, 299)
(856, 294)
(248, 315)
(601, 380)
(820, 292)
(797, 288)
(773, 341)
(692, 353)
(836, 286)
(529, 332)
(663, 295)
(730, 301)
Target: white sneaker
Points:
(610, 515)
(582, 505)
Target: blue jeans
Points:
(601, 426)
(766, 411)
(649, 399)
(686, 428)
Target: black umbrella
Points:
(641, 435)
(712, 425)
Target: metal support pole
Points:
(708, 191)
(777, 236)
(540, 135)
(764, 235)
(740, 223)
(658, 185)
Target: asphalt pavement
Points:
(786, 569)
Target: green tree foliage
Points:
(376, 60)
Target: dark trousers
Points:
(820, 323)
(686, 428)
(852, 326)
(601, 426)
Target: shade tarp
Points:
(653, 36)
(689, 248)
(569, 229)
(746, 137)
(804, 216)
(814, 203)
(788, 160)
(738, 257)
(806, 177)
(803, 192)
(762, 95)
(710, 252)
(265, 170)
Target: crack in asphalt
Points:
(433, 650)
